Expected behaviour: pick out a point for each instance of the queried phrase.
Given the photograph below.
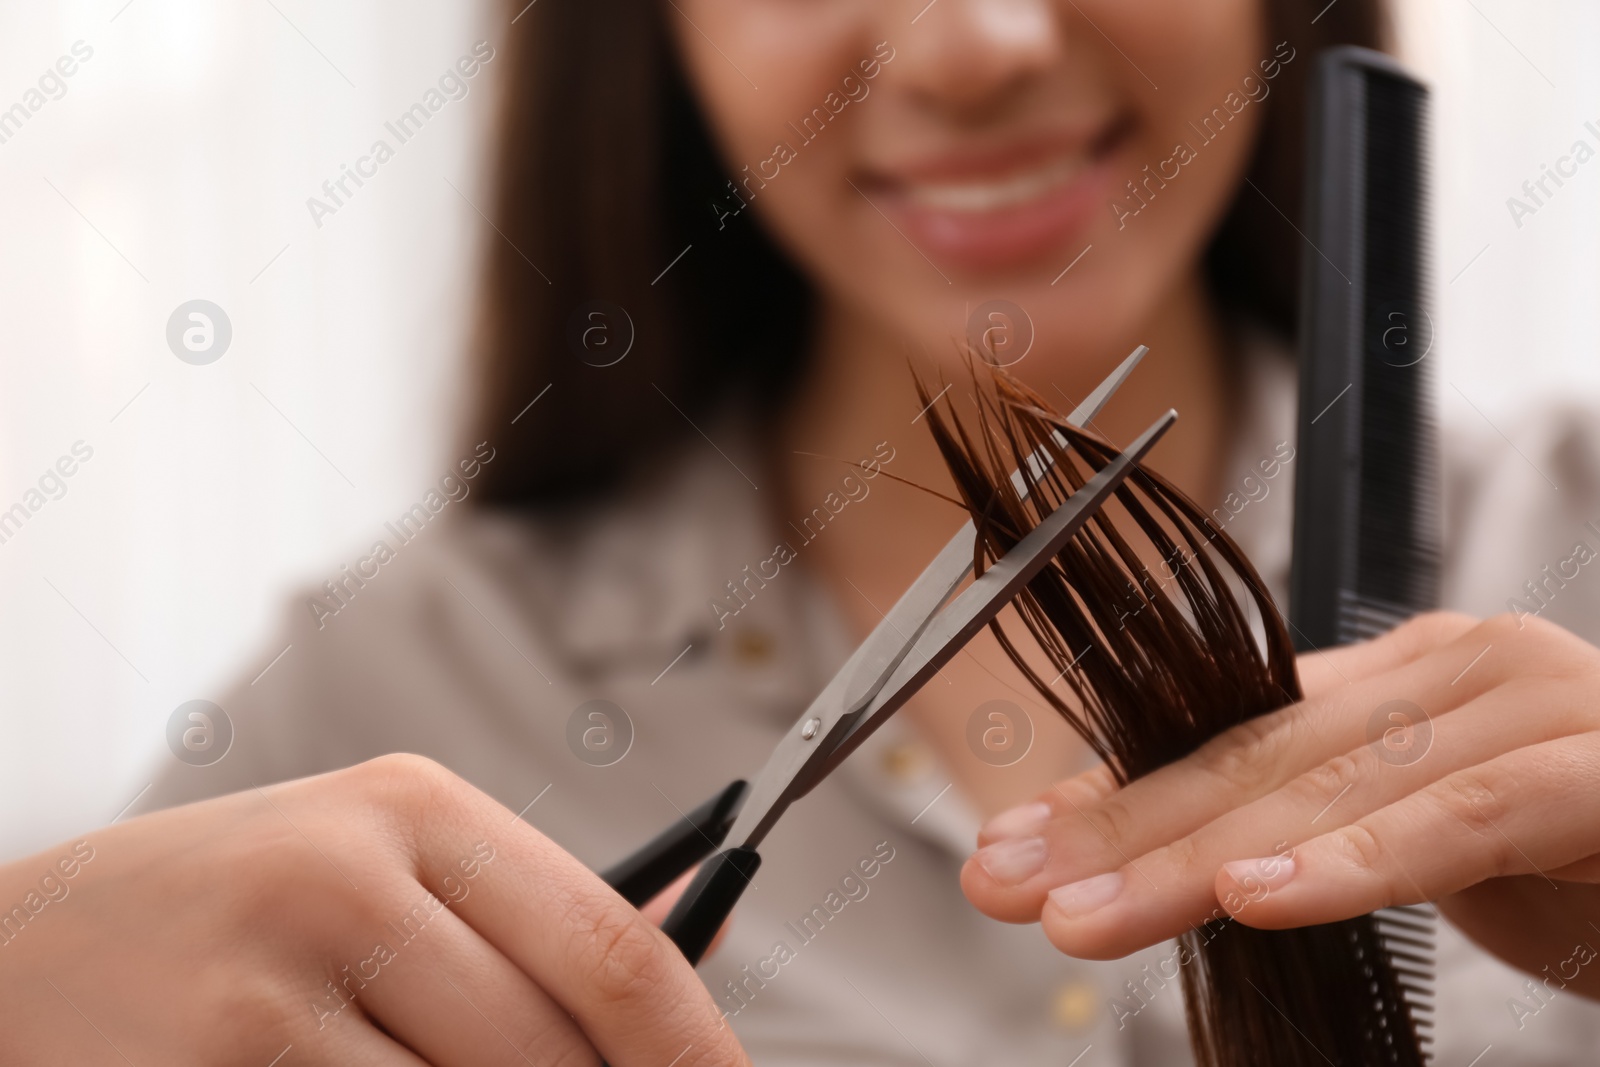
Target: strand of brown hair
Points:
(1147, 615)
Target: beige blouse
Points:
(485, 641)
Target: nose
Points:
(968, 55)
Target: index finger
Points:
(1087, 825)
(625, 983)
(1322, 670)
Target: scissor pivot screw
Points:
(809, 730)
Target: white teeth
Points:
(992, 195)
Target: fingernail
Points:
(1270, 872)
(1023, 819)
(1013, 861)
(1080, 898)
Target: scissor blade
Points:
(1044, 456)
(1085, 412)
(940, 639)
(954, 562)
(870, 666)
(794, 765)
(981, 601)
(940, 579)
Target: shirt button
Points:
(906, 761)
(1074, 1005)
(752, 647)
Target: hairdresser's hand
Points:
(385, 914)
(1332, 808)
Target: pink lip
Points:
(1018, 235)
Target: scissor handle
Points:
(642, 875)
(709, 900)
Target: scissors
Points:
(923, 631)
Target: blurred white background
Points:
(176, 165)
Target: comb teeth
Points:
(1362, 616)
(1367, 521)
(1397, 539)
(1366, 538)
(1408, 934)
(1397, 532)
(1393, 952)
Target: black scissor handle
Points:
(642, 875)
(709, 900)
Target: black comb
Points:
(1366, 531)
(1366, 524)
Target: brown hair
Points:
(1157, 664)
(605, 173)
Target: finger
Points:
(1087, 830)
(630, 990)
(1585, 870)
(1528, 812)
(1081, 791)
(1175, 887)
(1401, 646)
(1322, 670)
(438, 987)
(358, 1044)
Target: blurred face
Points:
(919, 160)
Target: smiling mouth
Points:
(990, 210)
(1020, 187)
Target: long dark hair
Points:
(606, 173)
(1157, 664)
